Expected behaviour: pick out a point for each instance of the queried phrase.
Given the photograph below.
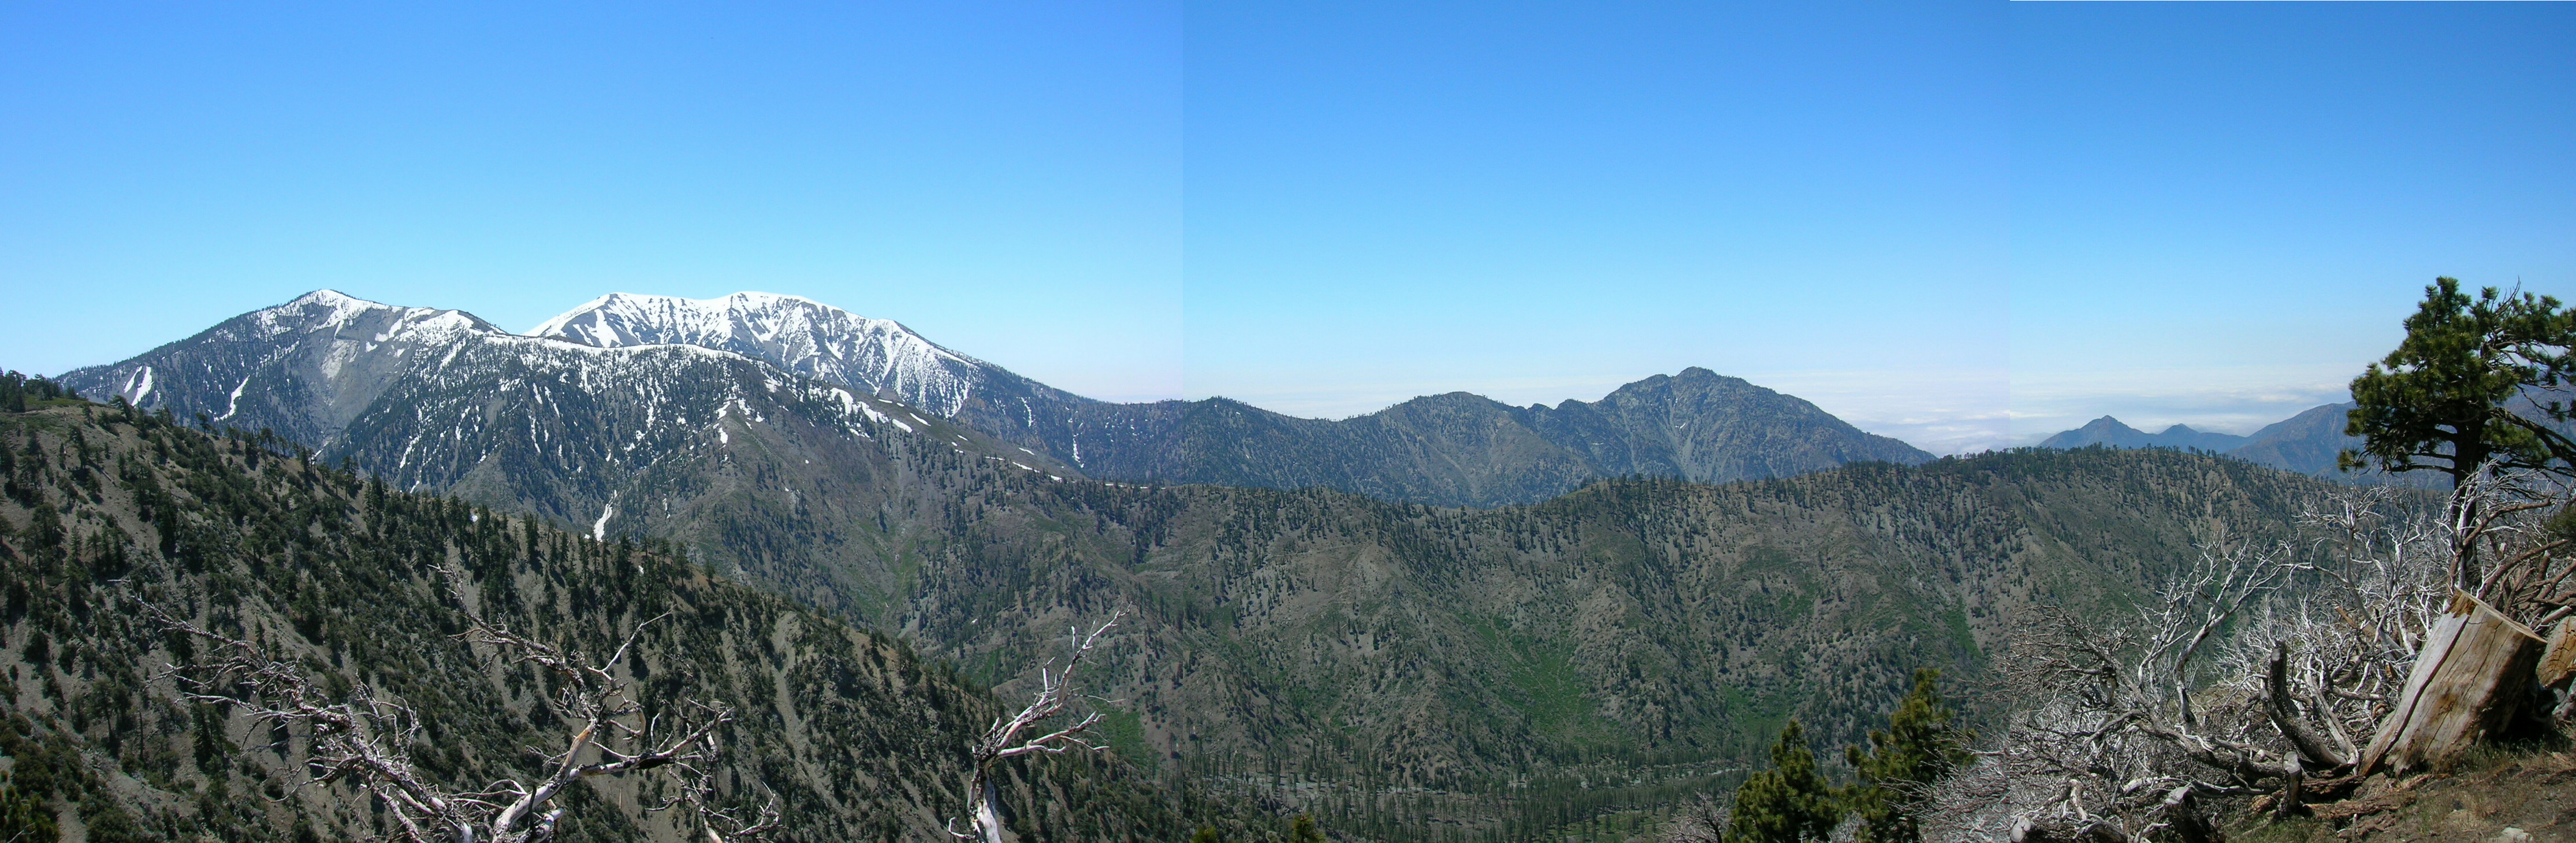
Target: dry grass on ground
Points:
(2492, 796)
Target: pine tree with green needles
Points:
(2440, 401)
(1789, 802)
(1303, 830)
(1920, 747)
(2443, 401)
(24, 817)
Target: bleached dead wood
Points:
(2315, 750)
(2470, 680)
(1009, 737)
(1702, 820)
(366, 742)
(2558, 661)
(2287, 677)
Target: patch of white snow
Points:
(135, 391)
(235, 402)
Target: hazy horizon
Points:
(1826, 392)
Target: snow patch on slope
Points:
(599, 528)
(137, 385)
(795, 333)
(233, 405)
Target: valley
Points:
(1401, 668)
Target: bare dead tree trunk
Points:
(2314, 751)
(1701, 821)
(2383, 648)
(2466, 512)
(2290, 804)
(1006, 739)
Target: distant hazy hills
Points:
(2109, 431)
(2306, 443)
(327, 369)
(1463, 449)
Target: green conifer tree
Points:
(1789, 802)
(2440, 401)
(1920, 746)
(1304, 830)
(2444, 400)
(24, 815)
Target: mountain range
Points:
(313, 368)
(1402, 669)
(2307, 443)
(2109, 431)
(1503, 674)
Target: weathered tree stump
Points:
(2558, 663)
(2471, 680)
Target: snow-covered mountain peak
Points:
(793, 332)
(337, 313)
(620, 319)
(327, 297)
(632, 319)
(315, 309)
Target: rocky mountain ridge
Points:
(311, 369)
(798, 334)
(1453, 449)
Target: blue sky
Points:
(1560, 198)
(1964, 224)
(1002, 177)
(2222, 210)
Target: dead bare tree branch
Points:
(1008, 736)
(2233, 682)
(367, 742)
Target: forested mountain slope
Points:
(1403, 668)
(1407, 668)
(1413, 672)
(1459, 449)
(1397, 666)
(856, 737)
